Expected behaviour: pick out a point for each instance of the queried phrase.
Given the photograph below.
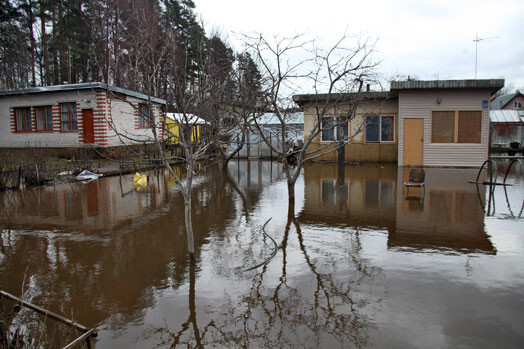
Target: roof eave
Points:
(491, 85)
(81, 86)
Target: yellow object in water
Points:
(140, 181)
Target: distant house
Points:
(270, 125)
(76, 115)
(416, 123)
(193, 123)
(507, 126)
(509, 101)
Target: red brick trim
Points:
(12, 119)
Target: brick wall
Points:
(109, 114)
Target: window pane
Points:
(64, 116)
(23, 119)
(342, 128)
(20, 124)
(387, 129)
(40, 118)
(372, 127)
(328, 129)
(469, 126)
(49, 118)
(328, 191)
(144, 115)
(72, 108)
(28, 126)
(443, 127)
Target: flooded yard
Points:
(361, 262)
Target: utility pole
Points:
(476, 41)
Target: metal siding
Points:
(419, 104)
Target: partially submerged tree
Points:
(294, 63)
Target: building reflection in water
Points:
(119, 256)
(447, 215)
(99, 204)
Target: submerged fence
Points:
(15, 175)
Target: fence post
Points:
(19, 176)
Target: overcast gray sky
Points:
(426, 39)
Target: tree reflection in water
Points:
(325, 304)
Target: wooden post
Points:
(37, 175)
(85, 336)
(50, 314)
(19, 176)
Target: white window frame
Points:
(334, 130)
(380, 116)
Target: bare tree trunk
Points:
(44, 43)
(33, 43)
(55, 58)
(187, 212)
(291, 192)
(226, 160)
(341, 152)
(189, 227)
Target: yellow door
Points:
(413, 141)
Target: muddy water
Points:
(361, 262)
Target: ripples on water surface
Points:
(360, 263)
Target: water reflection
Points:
(323, 303)
(357, 258)
(362, 196)
(101, 204)
(446, 215)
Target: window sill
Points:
(457, 143)
(21, 131)
(68, 131)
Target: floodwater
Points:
(360, 262)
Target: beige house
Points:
(416, 123)
(76, 115)
(512, 101)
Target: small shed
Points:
(190, 122)
(506, 128)
(270, 124)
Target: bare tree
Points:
(291, 63)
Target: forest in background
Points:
(148, 46)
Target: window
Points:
(380, 128)
(68, 116)
(456, 126)
(517, 105)
(23, 119)
(335, 128)
(469, 126)
(443, 127)
(144, 115)
(332, 194)
(44, 118)
(379, 193)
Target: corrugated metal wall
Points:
(419, 104)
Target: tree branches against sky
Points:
(423, 39)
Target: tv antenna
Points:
(476, 41)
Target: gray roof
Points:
(82, 86)
(492, 85)
(505, 116)
(501, 101)
(341, 97)
(272, 119)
